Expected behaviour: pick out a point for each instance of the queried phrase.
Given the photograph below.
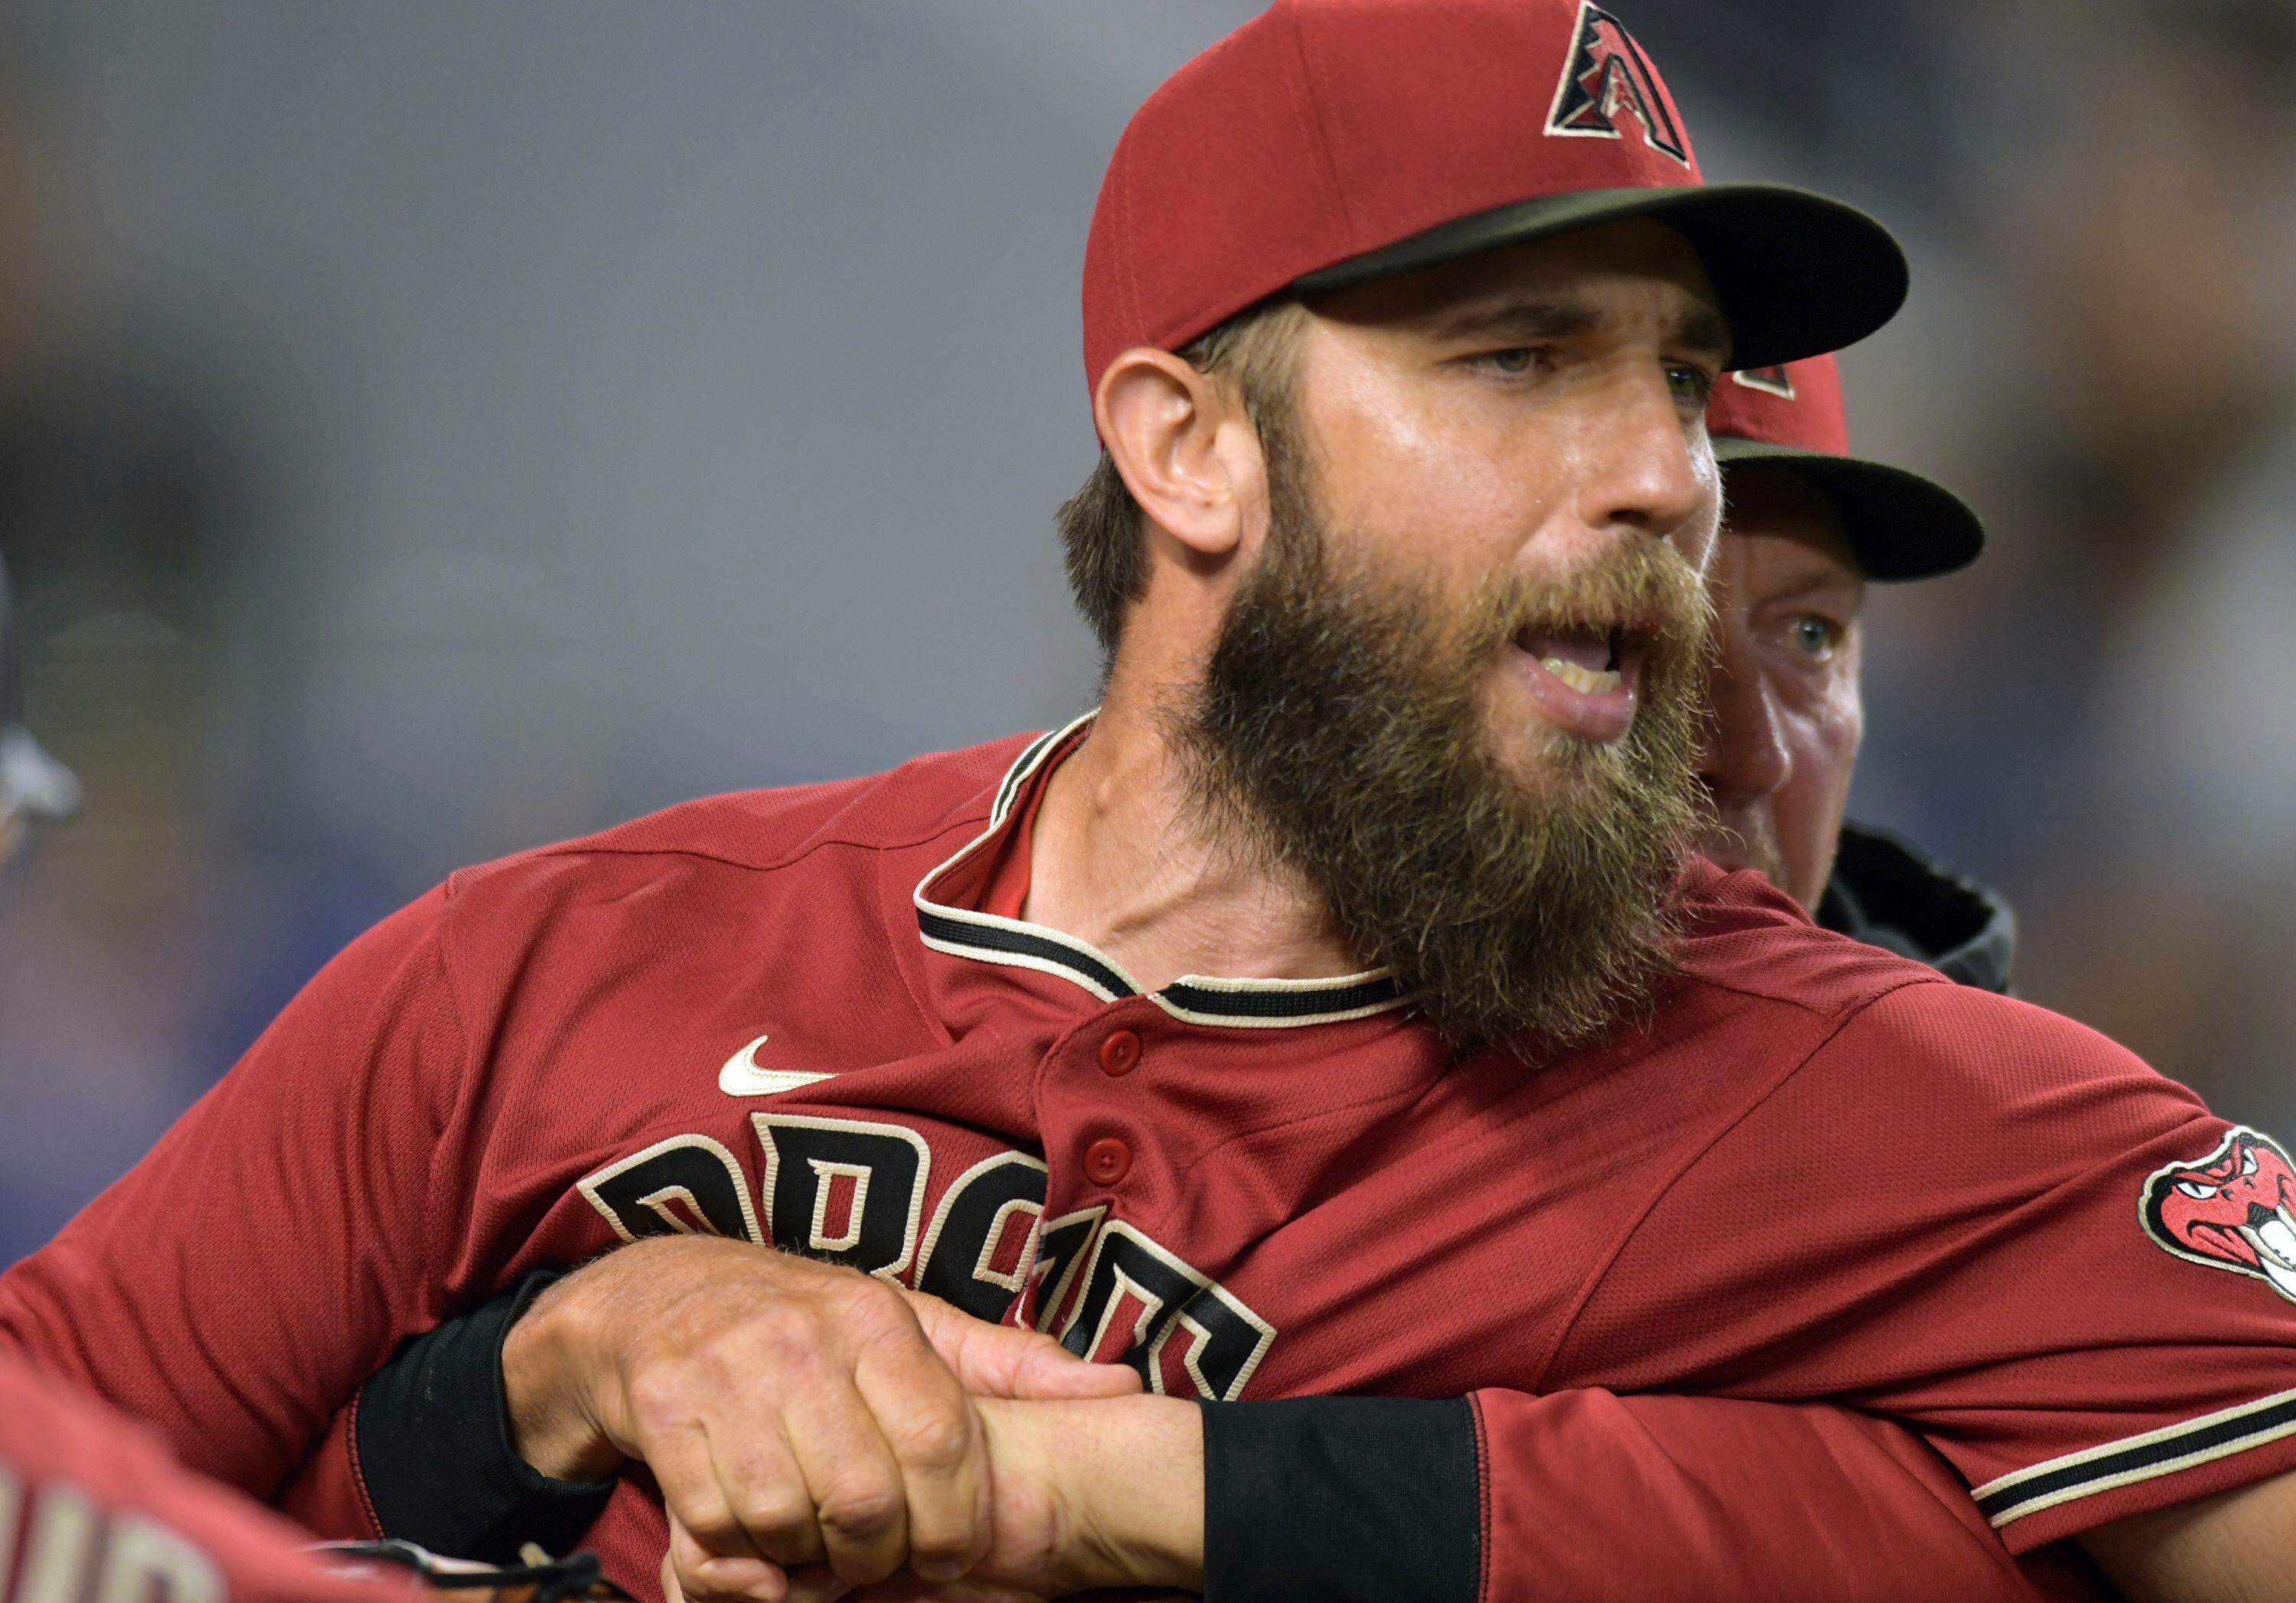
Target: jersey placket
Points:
(1129, 1099)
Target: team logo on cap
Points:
(2234, 1209)
(1607, 74)
(1769, 380)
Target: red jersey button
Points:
(1119, 1054)
(1107, 1161)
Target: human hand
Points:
(1085, 1495)
(794, 1413)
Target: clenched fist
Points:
(793, 1413)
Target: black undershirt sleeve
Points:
(1341, 1499)
(434, 1449)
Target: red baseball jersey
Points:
(810, 1017)
(92, 1507)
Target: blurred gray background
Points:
(434, 428)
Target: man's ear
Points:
(1185, 447)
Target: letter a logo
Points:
(1607, 74)
(1771, 381)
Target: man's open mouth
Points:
(1586, 660)
(1585, 678)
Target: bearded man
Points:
(1179, 1032)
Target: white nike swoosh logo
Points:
(741, 1076)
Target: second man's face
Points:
(1784, 713)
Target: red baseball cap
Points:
(1900, 525)
(1327, 142)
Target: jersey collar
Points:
(1195, 998)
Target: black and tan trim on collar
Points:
(1198, 999)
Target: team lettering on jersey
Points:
(65, 1550)
(852, 1191)
(2234, 1209)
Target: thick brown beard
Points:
(1340, 732)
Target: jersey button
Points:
(1107, 1161)
(1119, 1054)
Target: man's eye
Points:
(1516, 360)
(1816, 637)
(1691, 385)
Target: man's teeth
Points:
(1591, 682)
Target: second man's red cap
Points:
(1900, 525)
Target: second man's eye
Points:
(1691, 385)
(1816, 637)
(1516, 359)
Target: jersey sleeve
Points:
(1590, 1496)
(1991, 1224)
(97, 1509)
(1581, 1495)
(236, 1286)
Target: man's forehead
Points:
(1786, 531)
(1637, 270)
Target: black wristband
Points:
(434, 1449)
(1340, 1499)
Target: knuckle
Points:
(861, 1297)
(781, 1340)
(711, 1524)
(861, 1508)
(776, 1511)
(656, 1393)
(934, 1439)
(952, 1541)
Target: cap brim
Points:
(1900, 525)
(1797, 275)
(33, 782)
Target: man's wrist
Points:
(551, 1426)
(433, 1446)
(1137, 1490)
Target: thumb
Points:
(997, 1361)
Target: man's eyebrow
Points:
(1818, 579)
(1702, 330)
(1517, 319)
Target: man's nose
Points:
(1744, 757)
(1651, 474)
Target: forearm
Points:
(1577, 1495)
(1127, 1475)
(2236, 1547)
(1585, 1496)
(1592, 1495)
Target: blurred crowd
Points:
(430, 429)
